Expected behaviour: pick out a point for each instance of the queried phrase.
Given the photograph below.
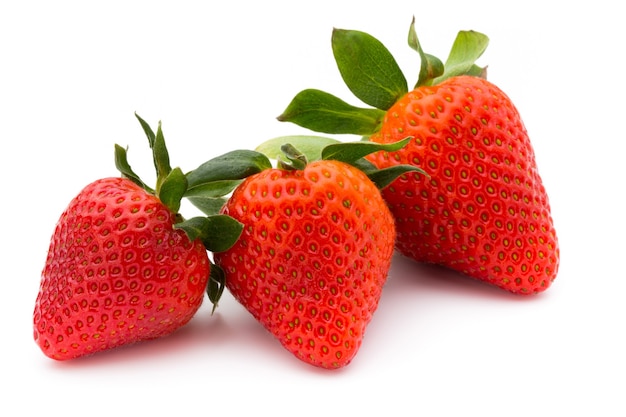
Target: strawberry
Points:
(117, 272)
(314, 254)
(123, 266)
(482, 209)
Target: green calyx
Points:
(374, 77)
(206, 188)
(295, 152)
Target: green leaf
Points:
(368, 68)
(215, 287)
(364, 165)
(226, 168)
(147, 130)
(217, 232)
(430, 66)
(173, 189)
(194, 227)
(296, 159)
(221, 232)
(160, 154)
(352, 151)
(121, 163)
(466, 49)
(213, 189)
(476, 71)
(310, 146)
(161, 157)
(384, 177)
(208, 205)
(322, 112)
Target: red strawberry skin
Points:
(483, 209)
(117, 272)
(313, 257)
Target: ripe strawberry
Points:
(122, 265)
(314, 255)
(482, 210)
(117, 272)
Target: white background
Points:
(217, 74)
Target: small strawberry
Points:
(123, 266)
(482, 209)
(314, 253)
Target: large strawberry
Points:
(123, 266)
(482, 209)
(314, 253)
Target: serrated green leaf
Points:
(122, 165)
(323, 112)
(368, 68)
(384, 177)
(225, 170)
(352, 151)
(310, 146)
(173, 189)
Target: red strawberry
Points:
(482, 209)
(122, 266)
(314, 255)
(117, 272)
